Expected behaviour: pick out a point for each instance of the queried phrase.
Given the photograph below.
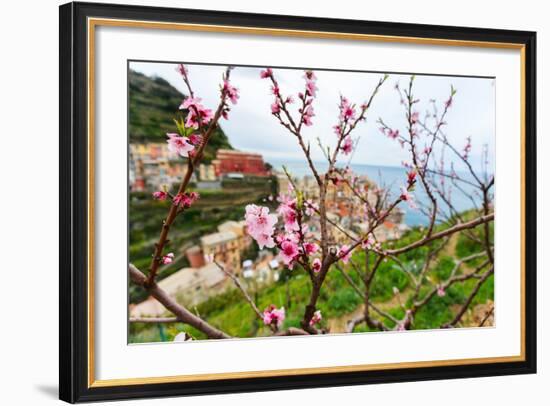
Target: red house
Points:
(230, 161)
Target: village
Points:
(152, 166)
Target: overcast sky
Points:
(251, 127)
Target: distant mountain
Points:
(153, 107)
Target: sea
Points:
(394, 178)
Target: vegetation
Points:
(338, 299)
(213, 208)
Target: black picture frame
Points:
(73, 285)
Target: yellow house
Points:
(239, 228)
(224, 247)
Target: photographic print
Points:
(272, 201)
(267, 214)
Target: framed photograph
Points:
(256, 202)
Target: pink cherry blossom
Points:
(258, 219)
(440, 291)
(344, 253)
(310, 75)
(190, 101)
(290, 236)
(160, 195)
(275, 107)
(225, 113)
(317, 317)
(368, 242)
(182, 70)
(467, 147)
(287, 209)
(264, 74)
(289, 100)
(310, 248)
(178, 199)
(337, 181)
(290, 218)
(414, 117)
(185, 199)
(407, 197)
(197, 114)
(195, 139)
(311, 207)
(288, 199)
(231, 91)
(347, 111)
(195, 118)
(316, 265)
(193, 197)
(252, 210)
(347, 146)
(393, 134)
(274, 316)
(179, 145)
(265, 240)
(311, 87)
(308, 113)
(168, 258)
(260, 225)
(411, 177)
(289, 251)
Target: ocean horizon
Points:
(392, 177)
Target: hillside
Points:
(153, 106)
(339, 301)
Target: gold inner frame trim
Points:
(94, 22)
(300, 371)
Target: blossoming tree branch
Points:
(430, 171)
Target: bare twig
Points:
(291, 331)
(471, 297)
(486, 317)
(242, 289)
(174, 209)
(181, 312)
(444, 233)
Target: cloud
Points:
(251, 126)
